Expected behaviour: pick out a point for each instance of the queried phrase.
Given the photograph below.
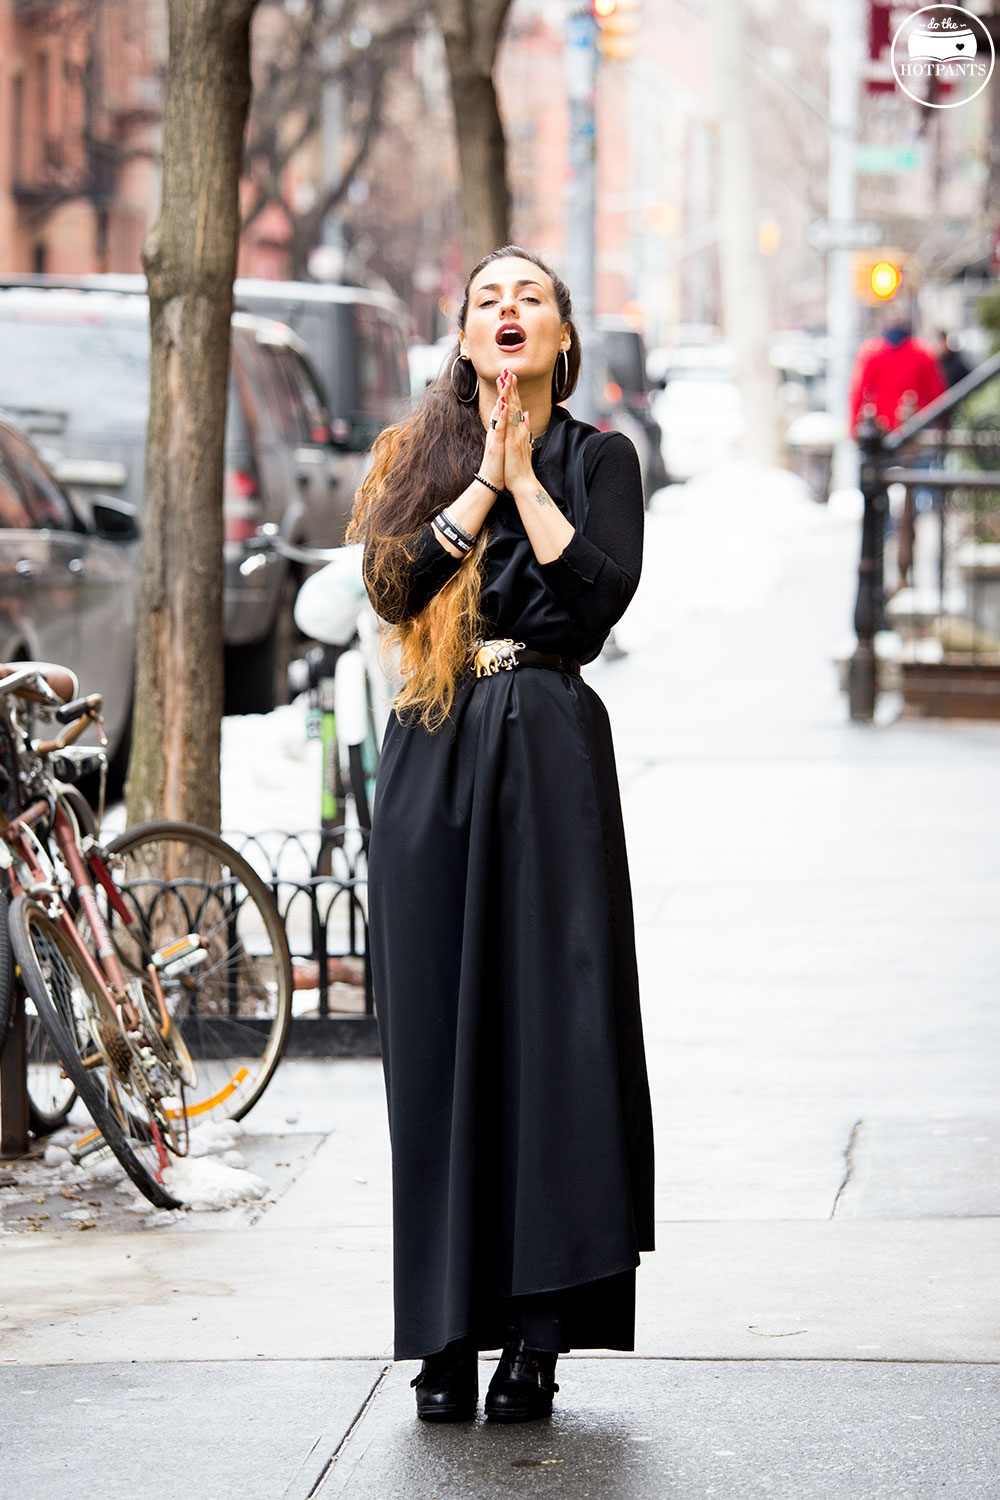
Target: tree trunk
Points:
(190, 261)
(471, 31)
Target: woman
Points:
(501, 935)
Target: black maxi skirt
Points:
(504, 976)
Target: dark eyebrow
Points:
(491, 286)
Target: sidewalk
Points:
(816, 913)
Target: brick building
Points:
(81, 98)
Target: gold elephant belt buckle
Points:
(494, 656)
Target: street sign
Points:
(860, 234)
(873, 156)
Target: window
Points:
(371, 360)
(291, 413)
(13, 514)
(310, 397)
(47, 505)
(76, 362)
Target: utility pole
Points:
(581, 210)
(841, 313)
(744, 296)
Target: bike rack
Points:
(318, 882)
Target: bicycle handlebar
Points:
(70, 712)
(85, 711)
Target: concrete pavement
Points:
(816, 913)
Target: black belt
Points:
(551, 659)
(503, 655)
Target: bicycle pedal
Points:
(91, 1146)
(177, 957)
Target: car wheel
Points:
(257, 673)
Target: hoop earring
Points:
(559, 387)
(465, 400)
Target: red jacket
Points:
(892, 377)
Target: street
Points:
(816, 915)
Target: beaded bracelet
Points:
(489, 486)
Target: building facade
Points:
(81, 100)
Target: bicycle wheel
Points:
(84, 1029)
(230, 995)
(51, 1093)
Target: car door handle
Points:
(25, 567)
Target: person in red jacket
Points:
(894, 374)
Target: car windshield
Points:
(96, 373)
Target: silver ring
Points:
(517, 418)
(493, 421)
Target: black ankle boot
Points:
(448, 1384)
(523, 1384)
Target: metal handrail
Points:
(877, 447)
(941, 479)
(943, 404)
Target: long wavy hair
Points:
(419, 466)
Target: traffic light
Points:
(878, 275)
(618, 22)
(885, 279)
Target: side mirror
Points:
(114, 520)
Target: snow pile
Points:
(272, 773)
(205, 1183)
(213, 1175)
(217, 1137)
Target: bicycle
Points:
(348, 688)
(164, 988)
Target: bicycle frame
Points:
(19, 835)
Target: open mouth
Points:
(510, 337)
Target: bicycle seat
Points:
(64, 683)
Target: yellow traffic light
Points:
(878, 275)
(618, 21)
(885, 280)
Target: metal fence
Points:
(320, 887)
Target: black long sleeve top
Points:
(571, 603)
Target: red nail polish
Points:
(503, 403)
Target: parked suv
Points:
(76, 374)
(357, 339)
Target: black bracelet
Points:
(487, 484)
(466, 536)
(448, 531)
